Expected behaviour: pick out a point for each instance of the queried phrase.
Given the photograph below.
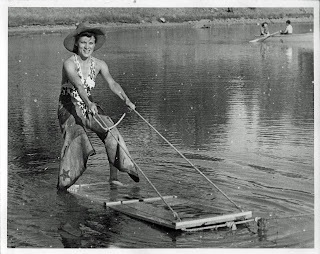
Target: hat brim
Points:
(99, 32)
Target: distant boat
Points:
(305, 37)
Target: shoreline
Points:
(44, 29)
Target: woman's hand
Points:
(130, 104)
(92, 107)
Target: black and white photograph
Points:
(145, 126)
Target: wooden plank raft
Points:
(194, 216)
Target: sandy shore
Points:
(45, 29)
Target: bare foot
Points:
(70, 229)
(115, 182)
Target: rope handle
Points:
(105, 127)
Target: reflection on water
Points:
(288, 52)
(243, 113)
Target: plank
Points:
(122, 202)
(215, 226)
(213, 220)
(146, 212)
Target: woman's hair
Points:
(288, 22)
(86, 34)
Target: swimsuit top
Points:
(89, 83)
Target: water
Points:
(242, 113)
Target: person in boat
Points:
(288, 29)
(77, 111)
(264, 30)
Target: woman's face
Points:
(86, 46)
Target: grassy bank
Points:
(39, 16)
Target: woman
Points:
(77, 112)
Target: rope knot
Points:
(232, 225)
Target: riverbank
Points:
(44, 29)
(53, 20)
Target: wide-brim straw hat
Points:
(99, 32)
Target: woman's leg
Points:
(117, 151)
(75, 151)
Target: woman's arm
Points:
(70, 72)
(114, 86)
